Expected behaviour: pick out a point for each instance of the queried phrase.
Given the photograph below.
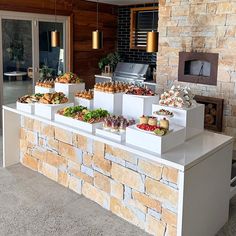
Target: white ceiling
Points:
(123, 2)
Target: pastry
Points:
(68, 78)
(45, 83)
(30, 98)
(53, 98)
(177, 97)
(111, 87)
(85, 94)
(164, 124)
(143, 120)
(152, 121)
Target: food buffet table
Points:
(154, 166)
(184, 190)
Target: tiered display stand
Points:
(191, 118)
(48, 111)
(25, 107)
(151, 142)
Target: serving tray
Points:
(77, 123)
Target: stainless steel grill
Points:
(130, 72)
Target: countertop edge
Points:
(142, 153)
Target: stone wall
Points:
(141, 192)
(201, 26)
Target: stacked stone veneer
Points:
(201, 26)
(141, 192)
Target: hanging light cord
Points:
(97, 15)
(153, 15)
(55, 7)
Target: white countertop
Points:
(182, 157)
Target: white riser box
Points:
(192, 118)
(48, 111)
(84, 102)
(112, 102)
(151, 142)
(116, 136)
(39, 89)
(25, 107)
(135, 106)
(69, 89)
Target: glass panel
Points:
(51, 60)
(17, 59)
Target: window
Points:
(141, 23)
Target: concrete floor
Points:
(12, 90)
(32, 205)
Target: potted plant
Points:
(110, 60)
(16, 52)
(46, 72)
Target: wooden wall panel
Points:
(85, 60)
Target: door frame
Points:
(35, 19)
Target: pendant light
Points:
(152, 37)
(55, 35)
(97, 36)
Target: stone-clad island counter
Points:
(184, 191)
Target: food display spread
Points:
(152, 124)
(83, 114)
(85, 94)
(68, 78)
(111, 87)
(155, 123)
(46, 83)
(139, 90)
(53, 98)
(28, 99)
(117, 123)
(177, 97)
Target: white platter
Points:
(152, 132)
(48, 110)
(78, 124)
(25, 107)
(157, 114)
(116, 136)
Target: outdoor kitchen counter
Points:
(185, 191)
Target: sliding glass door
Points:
(17, 59)
(26, 54)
